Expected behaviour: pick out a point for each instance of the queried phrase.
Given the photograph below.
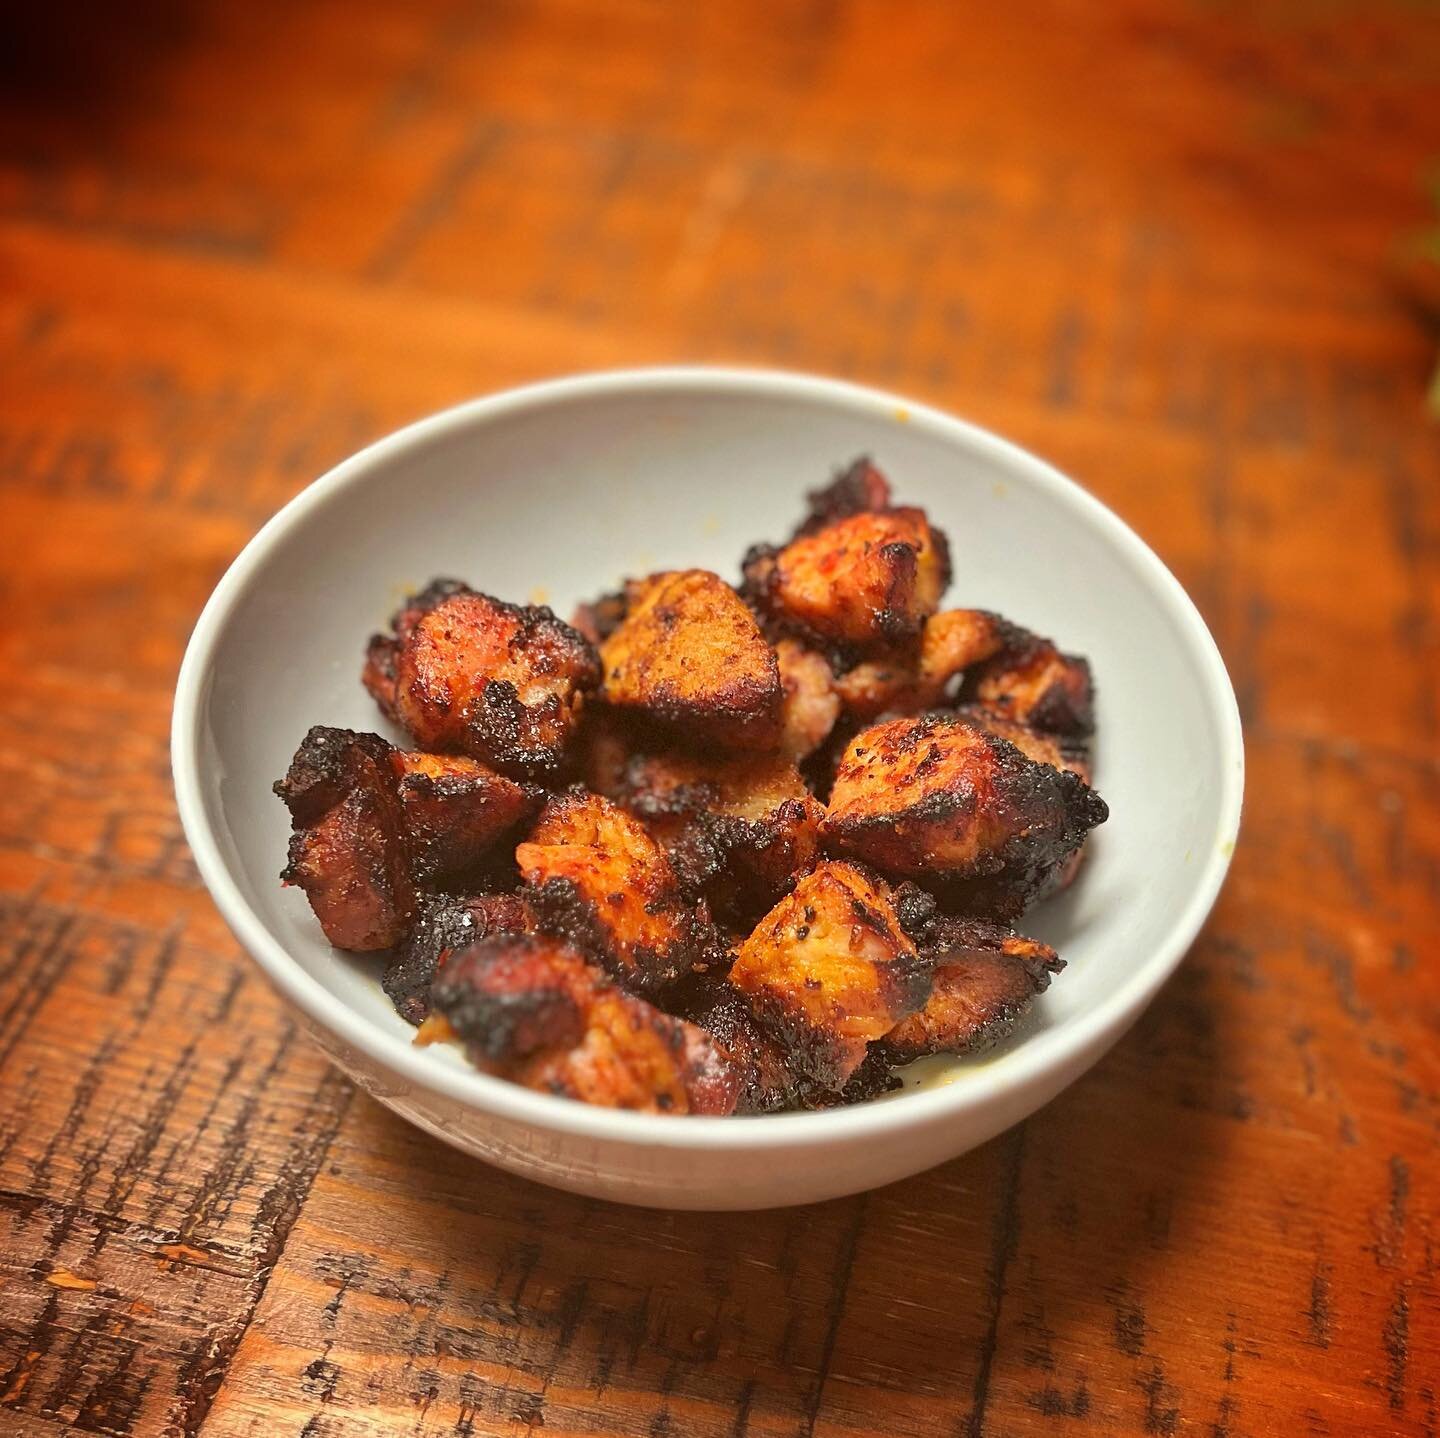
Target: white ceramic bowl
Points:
(554, 492)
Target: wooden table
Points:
(1162, 243)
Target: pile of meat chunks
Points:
(708, 850)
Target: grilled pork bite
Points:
(906, 682)
(465, 673)
(532, 1010)
(829, 969)
(689, 656)
(1060, 752)
(348, 851)
(861, 584)
(598, 879)
(985, 977)
(736, 829)
(769, 1081)
(456, 810)
(940, 799)
(1030, 680)
(444, 923)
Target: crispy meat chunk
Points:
(829, 969)
(904, 683)
(1032, 681)
(349, 851)
(690, 656)
(465, 673)
(940, 799)
(860, 488)
(737, 829)
(985, 979)
(456, 810)
(1059, 751)
(769, 1083)
(811, 706)
(444, 923)
(862, 584)
(598, 879)
(532, 1010)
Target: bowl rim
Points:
(1023, 1068)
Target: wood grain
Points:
(1164, 243)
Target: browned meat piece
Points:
(904, 683)
(465, 673)
(1032, 681)
(598, 879)
(985, 979)
(456, 810)
(811, 705)
(737, 830)
(532, 1010)
(443, 924)
(769, 1084)
(863, 584)
(830, 969)
(858, 489)
(382, 652)
(1058, 751)
(349, 851)
(690, 657)
(939, 799)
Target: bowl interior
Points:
(556, 497)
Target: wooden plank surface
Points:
(1164, 243)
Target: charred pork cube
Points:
(598, 879)
(456, 810)
(811, 705)
(1030, 680)
(940, 799)
(985, 979)
(468, 674)
(905, 682)
(443, 924)
(690, 657)
(769, 1082)
(737, 829)
(349, 851)
(864, 583)
(532, 1010)
(830, 969)
(1059, 751)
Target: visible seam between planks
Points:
(837, 1310)
(1007, 1226)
